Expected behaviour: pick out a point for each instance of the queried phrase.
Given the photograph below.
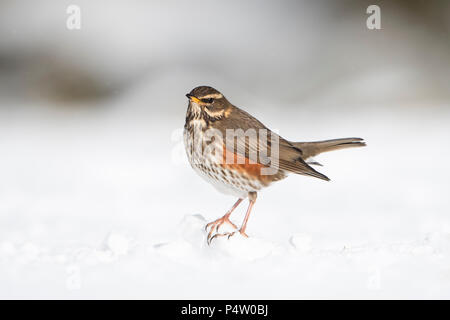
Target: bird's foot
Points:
(228, 235)
(215, 225)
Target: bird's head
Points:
(209, 100)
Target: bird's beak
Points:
(192, 98)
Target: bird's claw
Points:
(227, 234)
(215, 226)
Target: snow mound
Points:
(192, 243)
(193, 230)
(117, 244)
(301, 243)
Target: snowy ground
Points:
(101, 204)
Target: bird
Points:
(239, 156)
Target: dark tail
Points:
(311, 149)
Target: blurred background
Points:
(91, 122)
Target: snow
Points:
(118, 244)
(186, 267)
(301, 243)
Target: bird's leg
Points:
(247, 215)
(216, 224)
(252, 200)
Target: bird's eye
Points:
(208, 100)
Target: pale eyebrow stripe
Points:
(213, 95)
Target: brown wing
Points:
(290, 156)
